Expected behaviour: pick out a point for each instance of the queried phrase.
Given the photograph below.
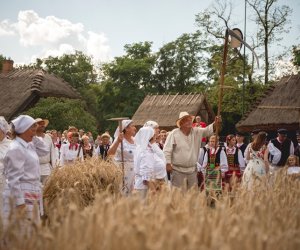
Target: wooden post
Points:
(221, 85)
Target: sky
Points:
(31, 29)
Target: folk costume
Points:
(200, 174)
(256, 168)
(128, 154)
(22, 171)
(214, 164)
(87, 150)
(236, 164)
(279, 151)
(69, 152)
(102, 151)
(149, 165)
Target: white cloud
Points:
(34, 30)
(62, 49)
(284, 67)
(97, 47)
(55, 36)
(6, 29)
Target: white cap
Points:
(151, 124)
(124, 125)
(22, 123)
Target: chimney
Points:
(7, 66)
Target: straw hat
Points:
(46, 122)
(183, 115)
(105, 135)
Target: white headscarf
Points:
(124, 125)
(155, 147)
(151, 124)
(4, 125)
(142, 141)
(22, 123)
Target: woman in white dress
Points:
(258, 165)
(129, 146)
(4, 144)
(22, 169)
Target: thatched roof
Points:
(21, 89)
(165, 109)
(279, 107)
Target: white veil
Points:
(142, 140)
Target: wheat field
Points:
(85, 211)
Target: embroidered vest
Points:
(214, 158)
(233, 160)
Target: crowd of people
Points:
(190, 155)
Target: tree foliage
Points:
(178, 64)
(271, 20)
(296, 56)
(77, 69)
(62, 113)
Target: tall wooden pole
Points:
(221, 85)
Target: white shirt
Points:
(293, 170)
(151, 167)
(48, 161)
(182, 151)
(4, 146)
(69, 155)
(21, 165)
(276, 153)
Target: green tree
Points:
(272, 20)
(125, 81)
(77, 69)
(178, 64)
(62, 113)
(296, 56)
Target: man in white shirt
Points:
(280, 149)
(48, 161)
(182, 149)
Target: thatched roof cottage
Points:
(279, 107)
(21, 89)
(165, 109)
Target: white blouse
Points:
(128, 151)
(21, 165)
(151, 167)
(69, 155)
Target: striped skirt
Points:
(213, 180)
(33, 200)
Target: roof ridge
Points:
(37, 80)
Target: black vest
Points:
(218, 157)
(284, 149)
(236, 156)
(103, 151)
(243, 148)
